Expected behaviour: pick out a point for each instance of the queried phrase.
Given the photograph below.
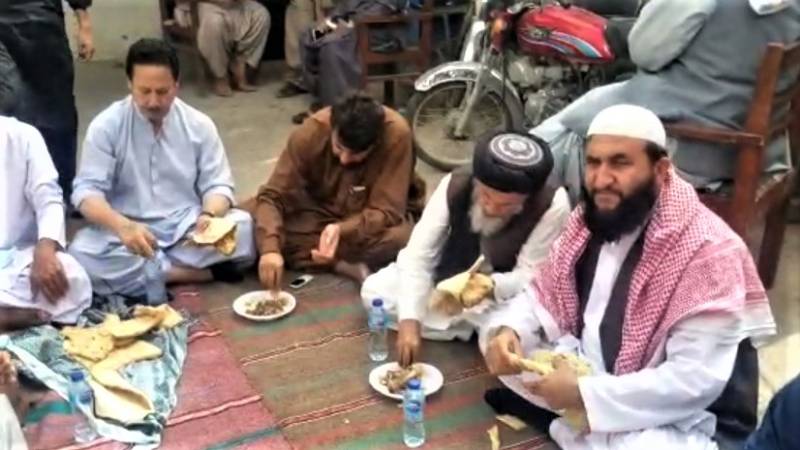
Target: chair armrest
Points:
(713, 134)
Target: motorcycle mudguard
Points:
(468, 71)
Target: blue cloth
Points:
(41, 350)
(779, 429)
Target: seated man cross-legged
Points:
(340, 193)
(153, 171)
(500, 207)
(654, 293)
(39, 283)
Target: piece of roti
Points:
(217, 228)
(92, 344)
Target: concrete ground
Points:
(255, 126)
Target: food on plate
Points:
(395, 380)
(267, 306)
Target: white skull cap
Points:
(629, 121)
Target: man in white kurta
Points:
(38, 281)
(651, 288)
(500, 207)
(154, 170)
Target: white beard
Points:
(485, 226)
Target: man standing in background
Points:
(35, 36)
(231, 36)
(300, 16)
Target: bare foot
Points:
(240, 83)
(18, 318)
(222, 87)
(244, 87)
(356, 271)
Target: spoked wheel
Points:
(434, 115)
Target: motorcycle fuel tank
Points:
(573, 33)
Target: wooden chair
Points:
(418, 56)
(757, 205)
(183, 38)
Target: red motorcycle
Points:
(529, 61)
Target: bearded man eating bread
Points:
(500, 208)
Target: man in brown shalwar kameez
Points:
(231, 36)
(341, 196)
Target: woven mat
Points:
(311, 368)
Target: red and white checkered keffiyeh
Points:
(691, 262)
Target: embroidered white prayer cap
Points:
(629, 121)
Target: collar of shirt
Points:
(164, 122)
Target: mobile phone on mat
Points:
(300, 281)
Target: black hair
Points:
(149, 51)
(358, 121)
(655, 152)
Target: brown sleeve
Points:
(388, 198)
(286, 186)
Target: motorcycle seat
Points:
(624, 8)
(616, 33)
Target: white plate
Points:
(432, 379)
(240, 305)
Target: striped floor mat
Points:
(311, 368)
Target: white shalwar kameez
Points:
(660, 407)
(31, 208)
(405, 286)
(157, 179)
(11, 437)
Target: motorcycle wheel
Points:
(433, 116)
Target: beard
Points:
(630, 213)
(481, 223)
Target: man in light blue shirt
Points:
(153, 171)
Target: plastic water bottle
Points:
(155, 280)
(377, 346)
(80, 396)
(414, 414)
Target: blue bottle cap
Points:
(413, 383)
(377, 302)
(76, 376)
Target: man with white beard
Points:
(500, 208)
